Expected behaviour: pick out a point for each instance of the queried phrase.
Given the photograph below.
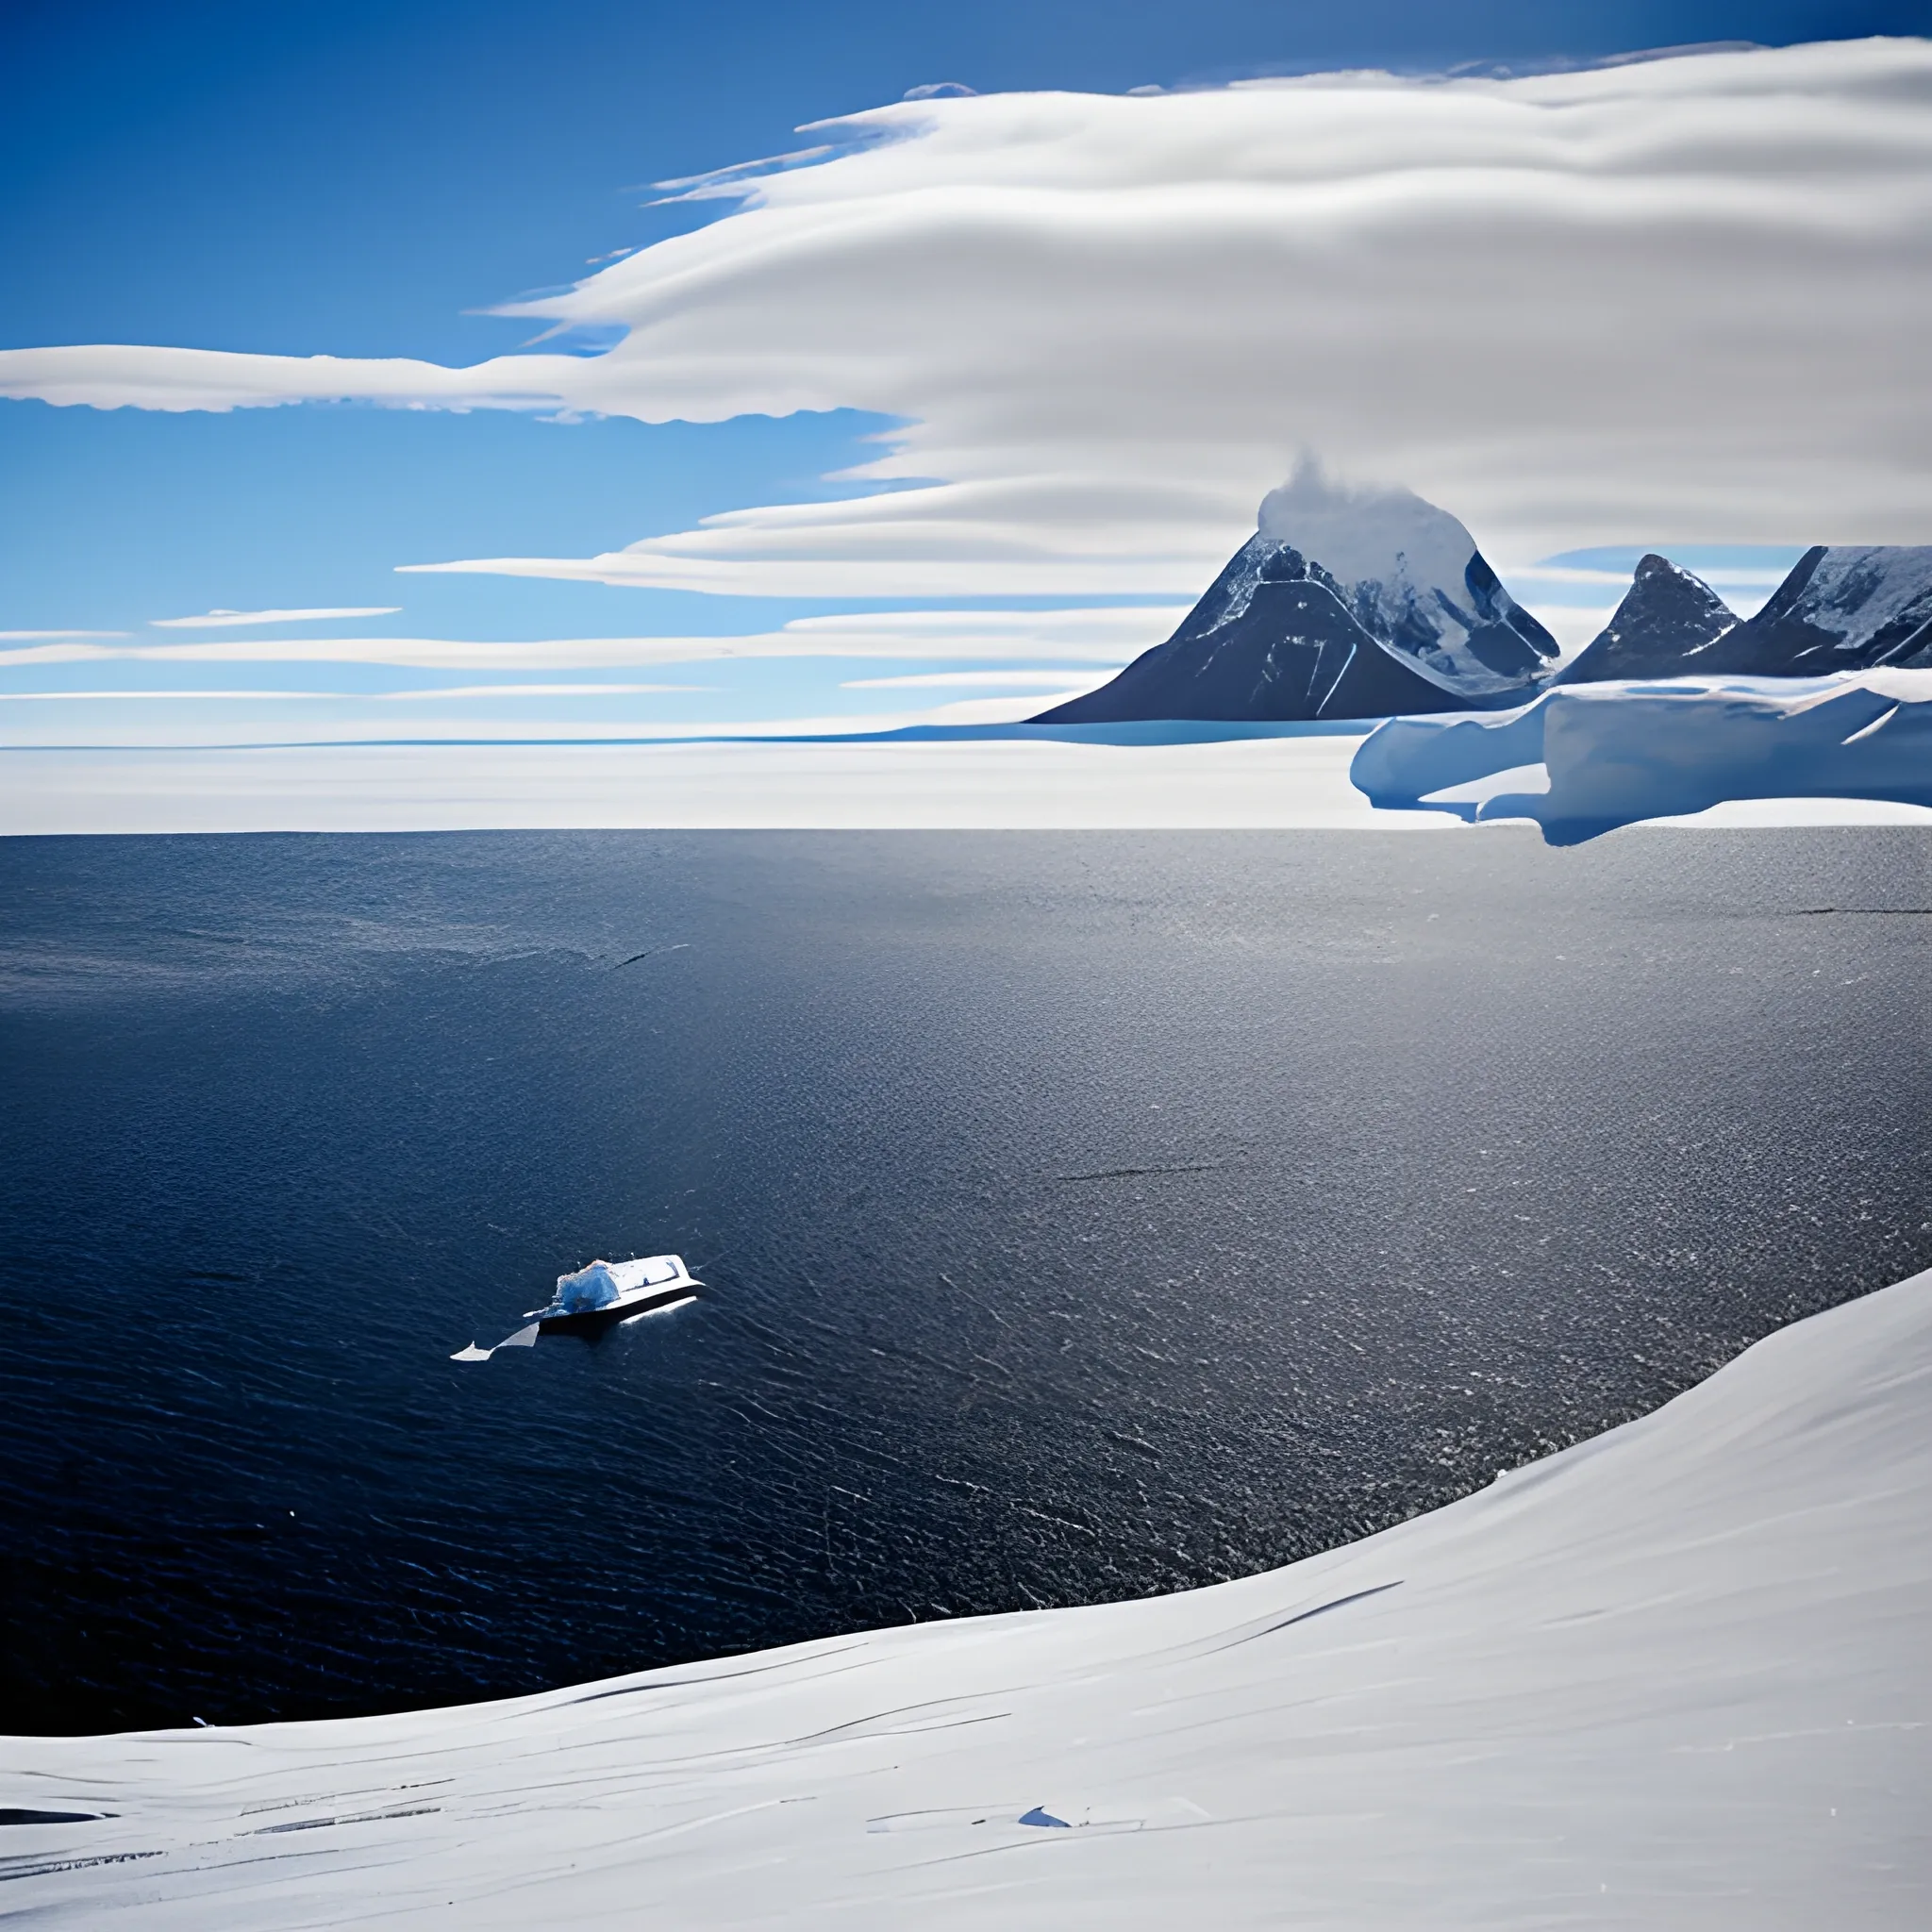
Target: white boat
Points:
(607, 1292)
(599, 1298)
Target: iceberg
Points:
(586, 1292)
(608, 1285)
(1585, 758)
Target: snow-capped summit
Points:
(1843, 608)
(1271, 641)
(1666, 616)
(1345, 603)
(1412, 578)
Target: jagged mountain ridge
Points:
(1368, 604)
(1843, 608)
(1840, 608)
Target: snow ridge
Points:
(1843, 608)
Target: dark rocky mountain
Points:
(1344, 605)
(1269, 643)
(1666, 615)
(1372, 604)
(1843, 608)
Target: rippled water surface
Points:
(1084, 1215)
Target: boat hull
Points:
(595, 1321)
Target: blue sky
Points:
(367, 180)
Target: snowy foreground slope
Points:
(1676, 1676)
(1583, 759)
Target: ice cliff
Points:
(1584, 758)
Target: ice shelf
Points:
(1614, 753)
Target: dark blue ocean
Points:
(1083, 1215)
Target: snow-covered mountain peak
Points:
(1843, 607)
(1411, 575)
(1860, 593)
(1666, 617)
(1365, 534)
(1653, 572)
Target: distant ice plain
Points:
(970, 784)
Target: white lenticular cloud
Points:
(1682, 298)
(433, 692)
(1083, 677)
(1108, 635)
(119, 376)
(100, 697)
(225, 620)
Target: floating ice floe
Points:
(1585, 759)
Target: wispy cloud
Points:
(973, 680)
(1569, 573)
(1582, 575)
(532, 691)
(218, 620)
(313, 724)
(92, 697)
(1686, 296)
(86, 695)
(120, 376)
(21, 636)
(1100, 636)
